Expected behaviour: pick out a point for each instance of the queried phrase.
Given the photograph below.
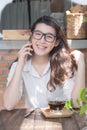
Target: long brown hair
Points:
(62, 63)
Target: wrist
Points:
(20, 66)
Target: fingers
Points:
(26, 45)
(23, 54)
(27, 49)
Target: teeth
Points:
(41, 47)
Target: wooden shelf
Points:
(16, 34)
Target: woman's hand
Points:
(23, 53)
(15, 83)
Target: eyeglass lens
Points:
(48, 37)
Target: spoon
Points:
(29, 113)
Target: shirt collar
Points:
(29, 68)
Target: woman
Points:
(45, 62)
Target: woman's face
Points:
(43, 39)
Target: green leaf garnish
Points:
(83, 109)
(83, 95)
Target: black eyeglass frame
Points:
(44, 34)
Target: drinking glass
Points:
(54, 102)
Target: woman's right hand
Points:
(13, 94)
(23, 53)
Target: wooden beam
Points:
(16, 34)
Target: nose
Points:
(43, 39)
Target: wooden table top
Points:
(14, 120)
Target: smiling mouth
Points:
(41, 47)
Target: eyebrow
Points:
(45, 33)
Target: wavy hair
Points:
(62, 63)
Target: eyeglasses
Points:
(47, 36)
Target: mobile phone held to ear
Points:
(30, 42)
(29, 56)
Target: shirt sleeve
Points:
(10, 75)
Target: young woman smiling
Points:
(45, 62)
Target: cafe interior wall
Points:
(7, 56)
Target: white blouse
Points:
(36, 86)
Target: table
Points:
(14, 120)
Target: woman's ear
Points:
(57, 43)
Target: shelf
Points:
(12, 44)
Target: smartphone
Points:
(31, 47)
